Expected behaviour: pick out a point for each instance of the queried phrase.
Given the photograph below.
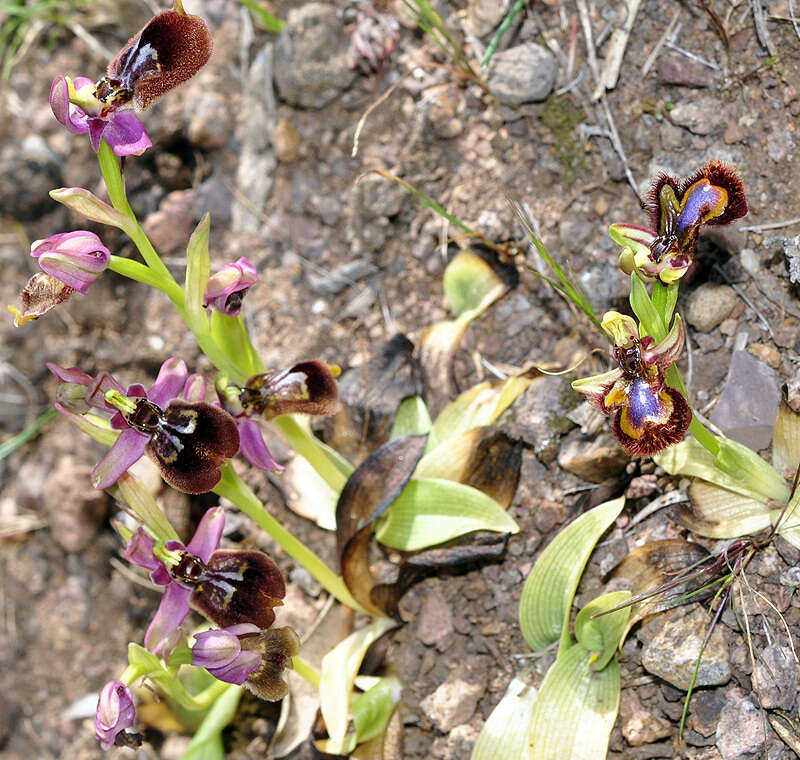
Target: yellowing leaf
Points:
(547, 595)
(339, 668)
(470, 284)
(479, 406)
(719, 513)
(575, 710)
(505, 733)
(786, 442)
(430, 512)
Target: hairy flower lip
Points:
(648, 415)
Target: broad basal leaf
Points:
(430, 512)
(547, 595)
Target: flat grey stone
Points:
(748, 405)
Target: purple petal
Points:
(127, 449)
(139, 550)
(253, 446)
(644, 405)
(206, 538)
(69, 374)
(126, 134)
(215, 648)
(195, 388)
(96, 128)
(169, 383)
(163, 633)
(239, 669)
(67, 114)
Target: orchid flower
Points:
(712, 195)
(227, 288)
(648, 414)
(229, 587)
(115, 713)
(243, 654)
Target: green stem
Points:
(232, 487)
(209, 695)
(115, 185)
(305, 445)
(137, 271)
(306, 671)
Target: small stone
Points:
(454, 702)
(750, 261)
(780, 144)
(672, 643)
(734, 133)
(74, 509)
(728, 326)
(766, 353)
(311, 67)
(740, 732)
(677, 69)
(435, 619)
(539, 416)
(708, 305)
(641, 726)
(458, 743)
(748, 404)
(776, 675)
(169, 228)
(441, 107)
(706, 706)
(215, 197)
(791, 252)
(593, 461)
(286, 142)
(484, 16)
(522, 74)
(702, 116)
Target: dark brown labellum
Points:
(305, 388)
(239, 587)
(190, 444)
(171, 48)
(277, 647)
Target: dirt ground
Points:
(345, 266)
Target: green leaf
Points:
(547, 595)
(505, 733)
(651, 322)
(412, 418)
(338, 673)
(431, 511)
(479, 406)
(207, 743)
(754, 478)
(146, 661)
(471, 285)
(266, 19)
(373, 709)
(601, 636)
(231, 334)
(664, 299)
(198, 268)
(575, 710)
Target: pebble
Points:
(311, 68)
(75, 510)
(766, 353)
(791, 253)
(639, 725)
(454, 701)
(677, 69)
(740, 732)
(435, 619)
(522, 74)
(748, 404)
(705, 709)
(593, 461)
(484, 16)
(708, 305)
(286, 142)
(776, 674)
(672, 644)
(702, 116)
(209, 120)
(215, 197)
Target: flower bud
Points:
(75, 258)
(220, 653)
(89, 206)
(226, 289)
(115, 713)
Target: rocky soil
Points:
(263, 138)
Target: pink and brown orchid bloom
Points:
(648, 414)
(712, 195)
